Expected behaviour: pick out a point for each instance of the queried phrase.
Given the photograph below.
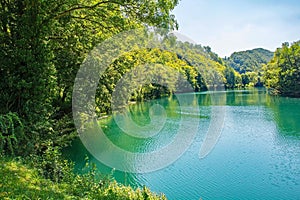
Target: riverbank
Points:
(21, 179)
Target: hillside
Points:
(250, 60)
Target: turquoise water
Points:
(256, 156)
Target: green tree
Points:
(245, 79)
(250, 60)
(230, 77)
(43, 44)
(26, 69)
(282, 73)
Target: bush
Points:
(12, 136)
(22, 179)
(51, 165)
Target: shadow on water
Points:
(77, 153)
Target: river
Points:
(254, 154)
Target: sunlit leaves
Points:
(282, 73)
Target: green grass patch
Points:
(21, 180)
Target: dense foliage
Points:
(250, 60)
(193, 62)
(43, 44)
(282, 73)
(249, 64)
(164, 63)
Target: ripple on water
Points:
(256, 157)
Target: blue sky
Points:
(235, 25)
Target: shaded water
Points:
(257, 155)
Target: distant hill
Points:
(250, 60)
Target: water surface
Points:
(257, 155)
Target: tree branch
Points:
(81, 7)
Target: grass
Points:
(20, 180)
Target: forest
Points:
(250, 65)
(44, 43)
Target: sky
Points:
(228, 26)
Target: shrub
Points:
(12, 136)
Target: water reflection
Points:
(257, 157)
(286, 114)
